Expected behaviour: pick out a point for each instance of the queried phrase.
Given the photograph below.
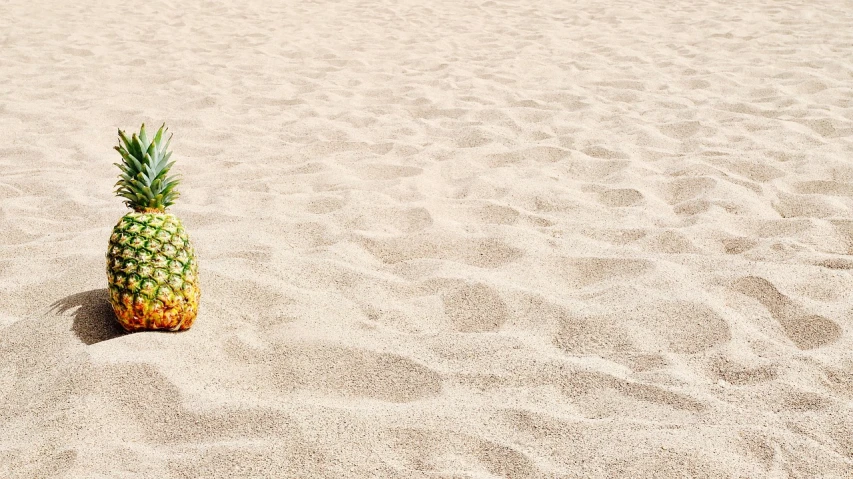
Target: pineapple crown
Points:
(145, 181)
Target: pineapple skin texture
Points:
(152, 273)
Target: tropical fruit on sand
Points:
(151, 265)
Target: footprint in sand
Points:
(684, 189)
(324, 204)
(738, 245)
(680, 130)
(586, 271)
(618, 237)
(537, 154)
(805, 330)
(741, 375)
(692, 207)
(690, 327)
(475, 308)
(597, 335)
(801, 401)
(496, 214)
(604, 154)
(427, 450)
(620, 197)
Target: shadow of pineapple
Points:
(94, 320)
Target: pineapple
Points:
(151, 265)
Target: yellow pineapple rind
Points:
(152, 273)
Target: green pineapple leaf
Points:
(145, 180)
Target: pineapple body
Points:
(152, 273)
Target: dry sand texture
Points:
(438, 239)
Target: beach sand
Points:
(446, 239)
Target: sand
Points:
(445, 239)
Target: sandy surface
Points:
(447, 239)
